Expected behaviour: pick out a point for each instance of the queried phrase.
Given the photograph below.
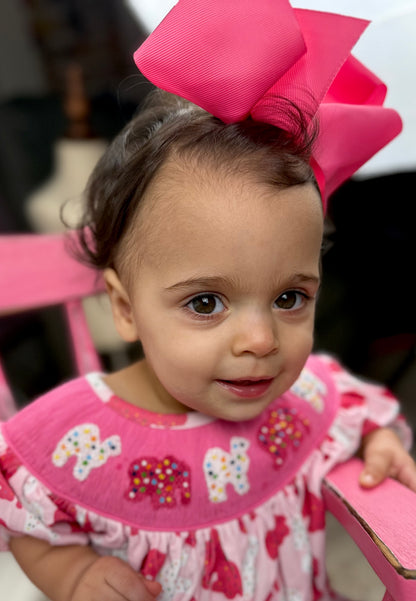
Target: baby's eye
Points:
(290, 300)
(206, 304)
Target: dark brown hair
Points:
(170, 126)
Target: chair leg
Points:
(86, 357)
(7, 404)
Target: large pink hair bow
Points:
(234, 57)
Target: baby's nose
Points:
(255, 334)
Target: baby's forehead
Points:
(184, 201)
(196, 185)
(229, 226)
(183, 196)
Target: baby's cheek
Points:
(299, 352)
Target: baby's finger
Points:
(406, 474)
(153, 587)
(376, 468)
(111, 579)
(131, 585)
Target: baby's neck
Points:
(138, 385)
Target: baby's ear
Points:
(121, 306)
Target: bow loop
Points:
(328, 39)
(222, 56)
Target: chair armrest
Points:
(381, 521)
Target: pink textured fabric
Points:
(236, 59)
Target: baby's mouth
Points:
(250, 388)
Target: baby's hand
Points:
(384, 456)
(111, 579)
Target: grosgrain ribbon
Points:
(235, 58)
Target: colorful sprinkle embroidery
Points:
(311, 389)
(283, 431)
(163, 480)
(222, 468)
(83, 442)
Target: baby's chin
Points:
(245, 414)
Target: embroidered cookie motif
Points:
(83, 442)
(222, 468)
(163, 480)
(311, 389)
(283, 432)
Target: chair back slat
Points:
(37, 271)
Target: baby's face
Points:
(224, 302)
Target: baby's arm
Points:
(384, 455)
(77, 573)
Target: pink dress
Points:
(213, 510)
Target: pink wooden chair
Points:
(37, 271)
(382, 522)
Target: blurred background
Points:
(68, 84)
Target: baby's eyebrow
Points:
(305, 278)
(206, 282)
(214, 282)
